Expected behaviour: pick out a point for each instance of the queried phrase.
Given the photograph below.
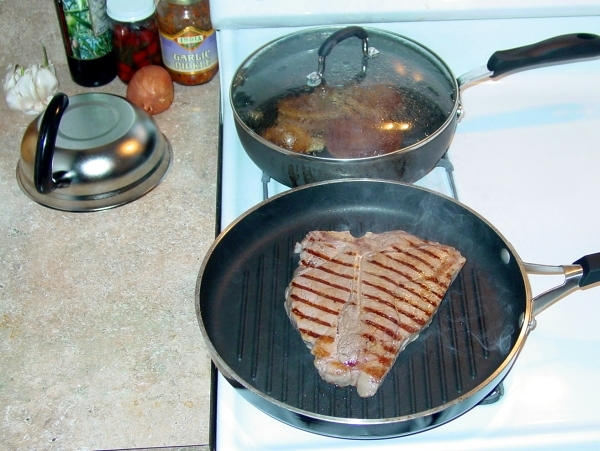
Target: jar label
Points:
(189, 51)
(87, 27)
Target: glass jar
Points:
(188, 40)
(135, 35)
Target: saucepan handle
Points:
(562, 48)
(582, 273)
(315, 78)
(44, 152)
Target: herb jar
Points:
(188, 40)
(135, 35)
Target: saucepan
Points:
(471, 344)
(384, 106)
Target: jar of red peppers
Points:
(135, 35)
(188, 41)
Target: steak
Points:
(358, 302)
(354, 121)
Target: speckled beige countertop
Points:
(99, 343)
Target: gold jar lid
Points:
(183, 2)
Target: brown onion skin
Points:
(151, 88)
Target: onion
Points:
(151, 88)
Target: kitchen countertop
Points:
(99, 342)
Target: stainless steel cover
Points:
(107, 152)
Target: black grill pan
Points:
(465, 352)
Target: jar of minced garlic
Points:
(188, 41)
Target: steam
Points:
(503, 344)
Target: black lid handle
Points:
(315, 78)
(44, 151)
(343, 34)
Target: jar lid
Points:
(183, 2)
(129, 10)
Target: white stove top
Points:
(236, 14)
(527, 157)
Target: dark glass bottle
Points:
(87, 38)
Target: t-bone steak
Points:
(357, 302)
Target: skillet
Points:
(471, 344)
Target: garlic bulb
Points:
(29, 90)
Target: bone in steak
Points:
(357, 302)
(353, 121)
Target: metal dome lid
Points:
(91, 152)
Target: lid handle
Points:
(315, 78)
(44, 151)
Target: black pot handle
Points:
(557, 49)
(591, 269)
(44, 151)
(315, 78)
(582, 273)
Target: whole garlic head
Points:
(29, 90)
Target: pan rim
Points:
(482, 389)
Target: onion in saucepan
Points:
(151, 88)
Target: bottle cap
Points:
(129, 10)
(183, 2)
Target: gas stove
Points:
(526, 156)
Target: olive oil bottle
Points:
(87, 38)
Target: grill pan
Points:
(471, 344)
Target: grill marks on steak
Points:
(357, 302)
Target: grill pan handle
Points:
(591, 269)
(582, 273)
